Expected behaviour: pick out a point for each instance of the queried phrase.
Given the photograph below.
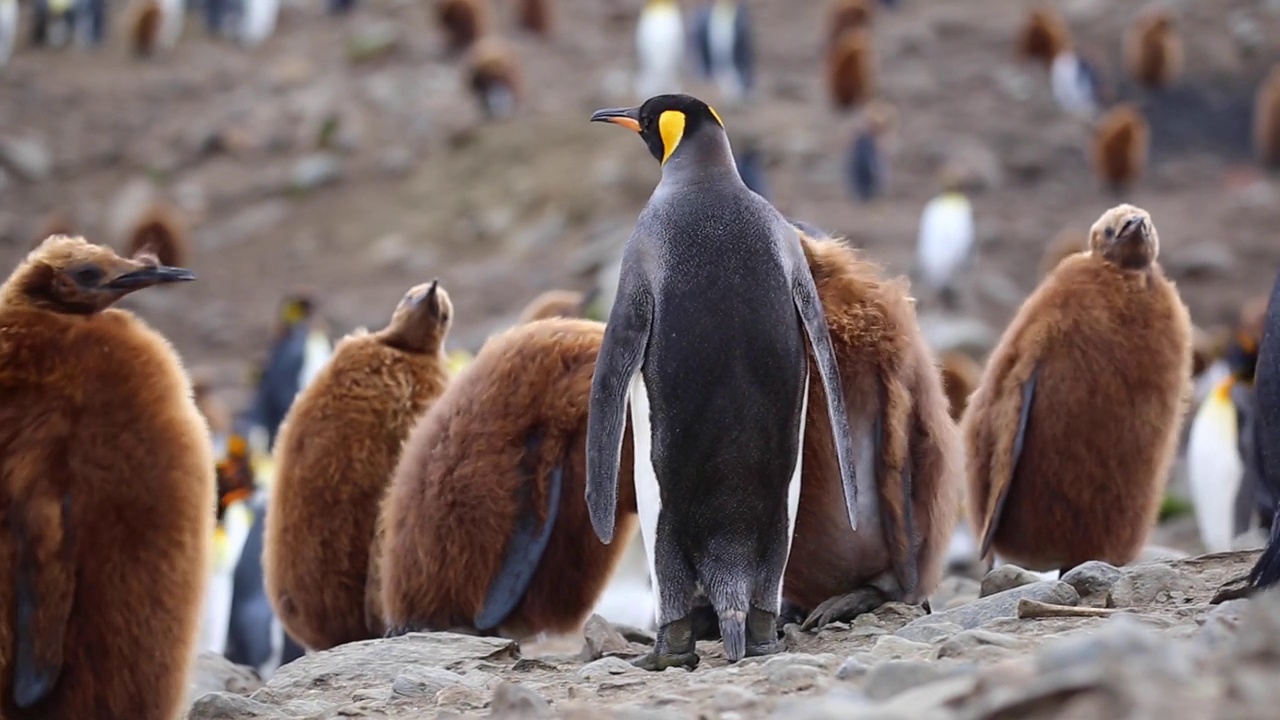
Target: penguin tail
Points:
(729, 591)
(733, 633)
(1267, 570)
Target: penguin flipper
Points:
(525, 546)
(809, 306)
(1000, 485)
(44, 590)
(622, 350)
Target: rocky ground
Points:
(1102, 643)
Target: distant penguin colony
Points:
(1153, 48)
(463, 22)
(1074, 425)
(161, 231)
(725, 49)
(486, 528)
(660, 48)
(845, 15)
(866, 165)
(851, 69)
(1044, 35)
(337, 450)
(716, 380)
(1266, 119)
(494, 77)
(945, 241)
(98, 424)
(910, 462)
(1121, 139)
(297, 353)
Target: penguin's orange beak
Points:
(628, 118)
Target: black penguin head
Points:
(663, 121)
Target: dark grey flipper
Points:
(809, 306)
(1028, 394)
(527, 544)
(38, 659)
(621, 353)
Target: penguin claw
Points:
(844, 608)
(657, 662)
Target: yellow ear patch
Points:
(293, 311)
(715, 115)
(671, 127)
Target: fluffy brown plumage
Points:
(1119, 152)
(161, 231)
(337, 449)
(844, 15)
(851, 70)
(1109, 343)
(463, 22)
(144, 26)
(1153, 49)
(108, 494)
(553, 303)
(493, 76)
(881, 353)
(515, 412)
(1067, 242)
(536, 16)
(960, 376)
(1043, 35)
(1266, 119)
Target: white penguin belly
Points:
(660, 46)
(793, 488)
(1215, 471)
(720, 37)
(628, 598)
(946, 236)
(648, 496)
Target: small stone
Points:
(731, 698)
(1006, 577)
(423, 682)
(928, 633)
(895, 676)
(512, 700)
(229, 706)
(964, 643)
(1144, 584)
(370, 694)
(605, 667)
(852, 669)
(793, 678)
(461, 697)
(27, 158)
(372, 42)
(892, 647)
(893, 615)
(806, 659)
(396, 160)
(1002, 605)
(315, 171)
(602, 639)
(1092, 579)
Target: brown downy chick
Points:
(1266, 119)
(1120, 142)
(553, 303)
(909, 486)
(337, 449)
(843, 15)
(108, 493)
(162, 232)
(1153, 49)
(494, 76)
(1043, 35)
(1075, 423)
(144, 20)
(486, 521)
(463, 22)
(960, 376)
(1066, 243)
(536, 16)
(851, 70)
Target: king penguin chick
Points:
(844, 15)
(1153, 48)
(910, 463)
(486, 527)
(660, 48)
(297, 354)
(145, 19)
(1044, 35)
(463, 22)
(337, 451)
(851, 70)
(944, 244)
(161, 231)
(1121, 138)
(960, 376)
(707, 343)
(725, 49)
(553, 303)
(494, 77)
(1266, 120)
(1073, 428)
(108, 491)
(8, 29)
(866, 166)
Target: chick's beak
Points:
(626, 117)
(151, 275)
(1131, 227)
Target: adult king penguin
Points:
(706, 340)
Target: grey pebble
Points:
(1001, 605)
(1092, 579)
(1148, 584)
(928, 633)
(424, 682)
(852, 669)
(512, 700)
(730, 698)
(895, 676)
(1006, 577)
(605, 667)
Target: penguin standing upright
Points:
(706, 342)
(722, 36)
(946, 237)
(1077, 84)
(660, 44)
(866, 165)
(298, 353)
(257, 21)
(8, 29)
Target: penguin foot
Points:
(844, 608)
(1233, 589)
(706, 624)
(762, 638)
(675, 647)
(789, 615)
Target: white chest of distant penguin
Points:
(8, 28)
(660, 47)
(707, 341)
